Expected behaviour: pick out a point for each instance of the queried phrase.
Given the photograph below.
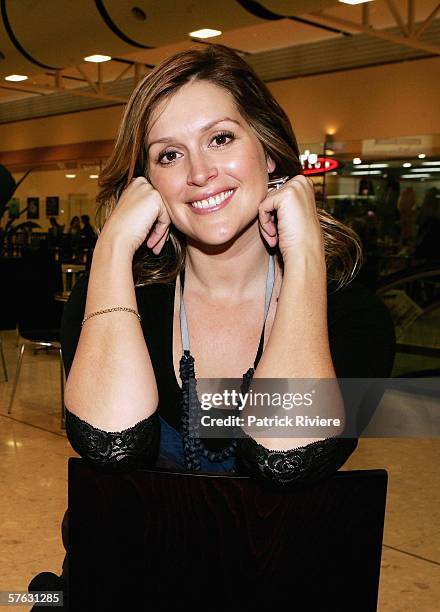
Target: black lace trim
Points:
(137, 446)
(306, 464)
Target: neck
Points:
(230, 273)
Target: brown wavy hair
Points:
(221, 66)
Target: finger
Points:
(272, 241)
(302, 179)
(134, 182)
(266, 214)
(158, 247)
(266, 219)
(160, 227)
(268, 226)
(311, 183)
(156, 234)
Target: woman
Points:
(186, 203)
(74, 226)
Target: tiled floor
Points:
(33, 492)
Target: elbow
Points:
(132, 448)
(284, 470)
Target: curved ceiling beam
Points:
(114, 28)
(14, 40)
(258, 10)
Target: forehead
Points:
(190, 108)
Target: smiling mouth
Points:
(213, 200)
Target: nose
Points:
(202, 168)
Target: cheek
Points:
(169, 182)
(250, 164)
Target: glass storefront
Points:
(391, 200)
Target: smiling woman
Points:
(227, 275)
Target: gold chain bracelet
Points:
(98, 312)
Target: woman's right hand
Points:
(139, 215)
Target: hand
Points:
(140, 215)
(297, 225)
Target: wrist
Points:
(112, 252)
(111, 245)
(311, 259)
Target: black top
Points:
(362, 345)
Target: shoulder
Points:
(355, 298)
(361, 332)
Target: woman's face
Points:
(207, 163)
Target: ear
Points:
(270, 164)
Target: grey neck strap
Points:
(270, 282)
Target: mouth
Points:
(214, 202)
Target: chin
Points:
(218, 235)
(213, 239)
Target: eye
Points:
(223, 138)
(167, 157)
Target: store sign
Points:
(404, 145)
(321, 165)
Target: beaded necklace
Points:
(193, 446)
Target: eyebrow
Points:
(203, 129)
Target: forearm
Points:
(298, 347)
(111, 384)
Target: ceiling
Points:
(282, 39)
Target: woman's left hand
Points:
(297, 226)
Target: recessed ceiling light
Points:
(357, 160)
(70, 175)
(16, 77)
(424, 169)
(407, 165)
(97, 58)
(421, 156)
(413, 176)
(366, 172)
(94, 176)
(354, 1)
(205, 33)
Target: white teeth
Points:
(213, 200)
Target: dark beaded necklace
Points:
(193, 446)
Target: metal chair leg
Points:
(63, 410)
(17, 374)
(3, 361)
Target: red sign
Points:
(321, 166)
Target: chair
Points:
(39, 315)
(160, 540)
(71, 274)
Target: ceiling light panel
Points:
(205, 33)
(354, 1)
(97, 59)
(16, 77)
